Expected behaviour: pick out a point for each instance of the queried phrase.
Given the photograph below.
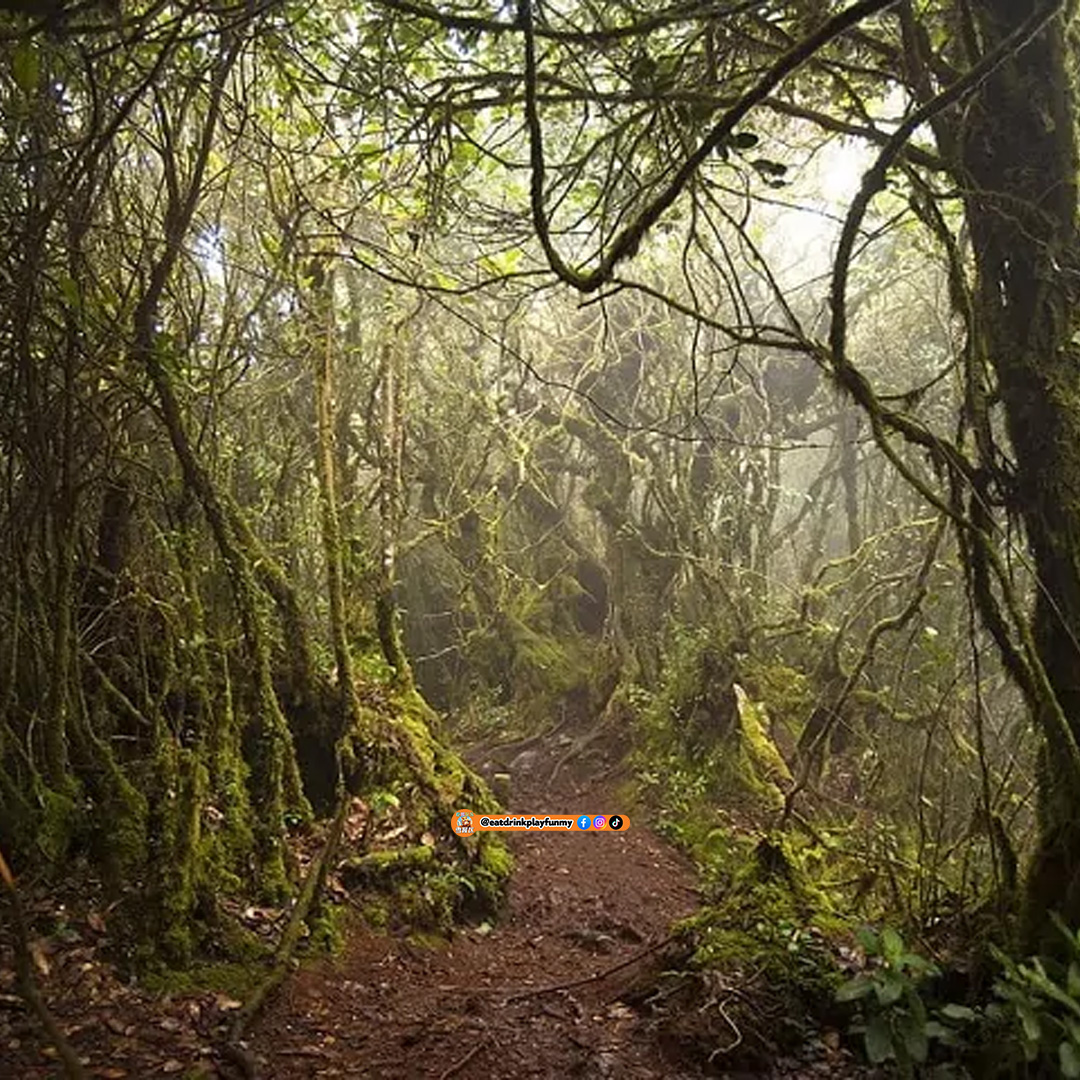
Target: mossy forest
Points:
(662, 411)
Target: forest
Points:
(662, 410)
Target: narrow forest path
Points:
(539, 995)
(554, 989)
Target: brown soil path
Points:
(537, 996)
(548, 992)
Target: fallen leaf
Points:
(225, 1004)
(172, 1066)
(38, 950)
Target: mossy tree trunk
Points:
(391, 496)
(278, 779)
(1019, 151)
(325, 339)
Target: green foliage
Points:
(236, 978)
(1041, 999)
(423, 891)
(702, 738)
(896, 1016)
(893, 1015)
(786, 692)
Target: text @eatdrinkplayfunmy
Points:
(467, 822)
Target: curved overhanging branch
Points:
(600, 35)
(626, 241)
(1034, 678)
(874, 179)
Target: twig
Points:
(597, 977)
(459, 1065)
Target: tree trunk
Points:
(1019, 152)
(391, 497)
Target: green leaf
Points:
(70, 289)
(857, 988)
(867, 939)
(915, 1039)
(1074, 979)
(889, 989)
(26, 66)
(1072, 1029)
(879, 1040)
(1029, 1021)
(957, 1012)
(1070, 1060)
(892, 945)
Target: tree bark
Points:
(1019, 152)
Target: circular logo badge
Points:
(615, 822)
(584, 821)
(599, 821)
(463, 823)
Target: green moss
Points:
(769, 918)
(494, 857)
(382, 869)
(180, 819)
(786, 692)
(422, 759)
(127, 813)
(763, 768)
(489, 878)
(328, 928)
(57, 824)
(235, 979)
(376, 913)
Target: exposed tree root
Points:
(233, 1048)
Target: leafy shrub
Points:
(896, 1020)
(1042, 1000)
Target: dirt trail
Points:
(522, 999)
(549, 991)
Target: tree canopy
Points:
(641, 363)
